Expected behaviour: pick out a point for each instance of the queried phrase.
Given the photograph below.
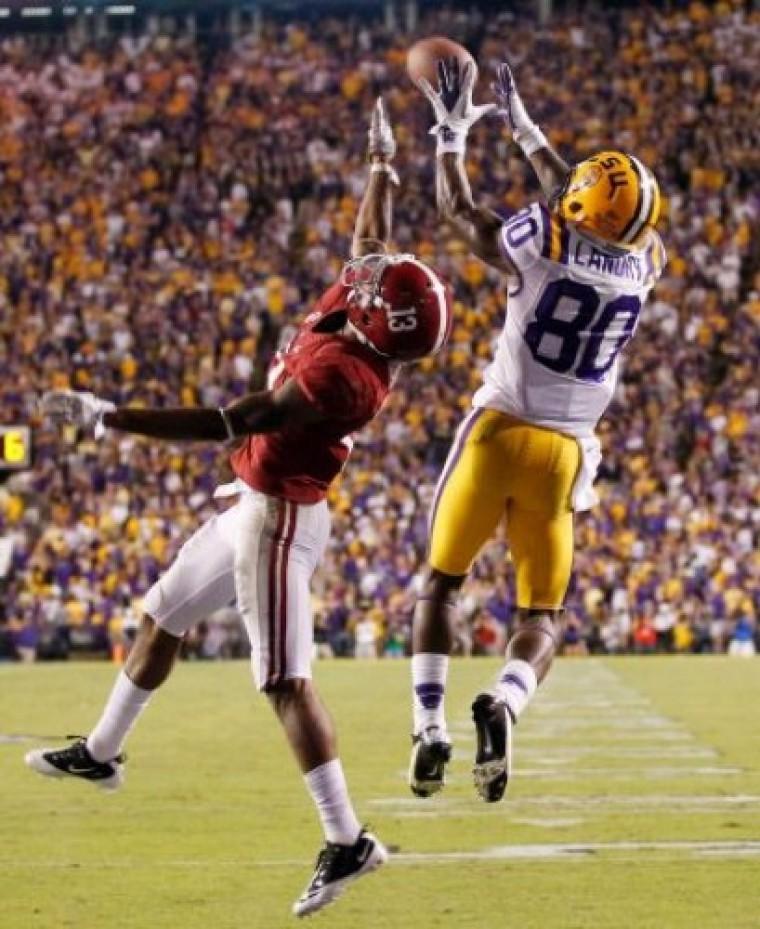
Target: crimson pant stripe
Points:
(454, 455)
(291, 531)
(272, 604)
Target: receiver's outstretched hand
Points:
(452, 104)
(511, 108)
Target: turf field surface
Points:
(636, 804)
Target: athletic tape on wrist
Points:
(531, 139)
(100, 427)
(450, 141)
(382, 167)
(227, 423)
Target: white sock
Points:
(429, 672)
(124, 705)
(327, 786)
(516, 686)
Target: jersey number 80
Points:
(574, 332)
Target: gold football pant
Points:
(500, 467)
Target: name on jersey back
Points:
(623, 265)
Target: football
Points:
(423, 57)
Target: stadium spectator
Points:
(742, 641)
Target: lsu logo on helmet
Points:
(611, 195)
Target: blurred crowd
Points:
(170, 206)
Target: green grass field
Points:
(636, 804)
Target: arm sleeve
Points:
(339, 385)
(526, 237)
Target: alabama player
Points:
(330, 380)
(577, 273)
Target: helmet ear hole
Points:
(574, 207)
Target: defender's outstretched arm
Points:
(551, 169)
(264, 411)
(372, 231)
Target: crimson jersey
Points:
(344, 380)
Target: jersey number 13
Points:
(575, 332)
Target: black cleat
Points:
(76, 761)
(493, 761)
(427, 768)
(338, 865)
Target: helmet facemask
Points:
(363, 275)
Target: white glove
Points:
(76, 408)
(524, 131)
(381, 141)
(455, 113)
(382, 144)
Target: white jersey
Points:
(574, 307)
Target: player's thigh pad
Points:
(471, 495)
(278, 547)
(200, 580)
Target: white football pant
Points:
(260, 554)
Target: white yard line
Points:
(554, 736)
(551, 805)
(565, 754)
(549, 851)
(583, 851)
(640, 772)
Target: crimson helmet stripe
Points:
(645, 202)
(440, 293)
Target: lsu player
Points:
(577, 271)
(328, 382)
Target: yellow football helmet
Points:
(611, 195)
